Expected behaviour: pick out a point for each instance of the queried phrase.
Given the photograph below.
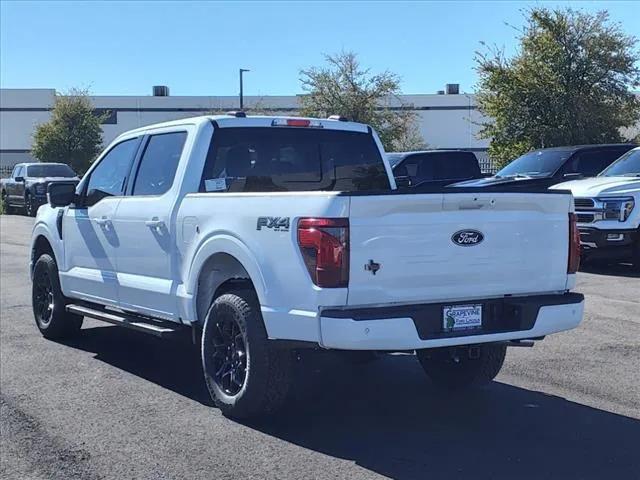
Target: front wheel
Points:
(29, 206)
(49, 305)
(8, 209)
(462, 367)
(245, 376)
(635, 258)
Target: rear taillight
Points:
(324, 244)
(574, 244)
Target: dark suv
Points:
(550, 166)
(27, 186)
(433, 167)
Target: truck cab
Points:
(264, 235)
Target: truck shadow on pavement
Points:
(387, 418)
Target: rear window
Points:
(437, 166)
(276, 159)
(50, 171)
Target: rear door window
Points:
(276, 159)
(159, 163)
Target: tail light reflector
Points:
(574, 244)
(324, 244)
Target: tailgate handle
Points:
(476, 204)
(470, 206)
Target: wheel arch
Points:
(42, 242)
(220, 264)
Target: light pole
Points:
(242, 70)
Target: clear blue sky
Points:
(122, 48)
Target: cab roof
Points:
(231, 120)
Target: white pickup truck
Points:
(263, 235)
(608, 211)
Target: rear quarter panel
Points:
(210, 223)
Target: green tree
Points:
(73, 135)
(569, 83)
(343, 87)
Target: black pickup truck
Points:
(26, 188)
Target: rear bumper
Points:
(612, 244)
(420, 326)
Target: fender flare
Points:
(41, 229)
(233, 246)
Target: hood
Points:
(493, 181)
(593, 187)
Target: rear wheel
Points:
(246, 376)
(462, 367)
(49, 305)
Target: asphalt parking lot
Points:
(119, 404)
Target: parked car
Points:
(26, 188)
(435, 167)
(608, 209)
(549, 166)
(263, 235)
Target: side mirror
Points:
(403, 182)
(61, 194)
(19, 179)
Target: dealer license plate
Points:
(461, 317)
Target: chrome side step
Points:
(157, 328)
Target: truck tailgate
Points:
(403, 248)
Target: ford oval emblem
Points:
(467, 238)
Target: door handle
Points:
(155, 224)
(104, 222)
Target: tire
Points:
(8, 209)
(635, 257)
(455, 369)
(48, 303)
(29, 208)
(245, 376)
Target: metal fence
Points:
(486, 165)
(5, 170)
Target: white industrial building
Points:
(445, 120)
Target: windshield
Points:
(628, 165)
(536, 163)
(56, 170)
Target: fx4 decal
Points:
(278, 224)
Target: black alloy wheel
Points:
(229, 355)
